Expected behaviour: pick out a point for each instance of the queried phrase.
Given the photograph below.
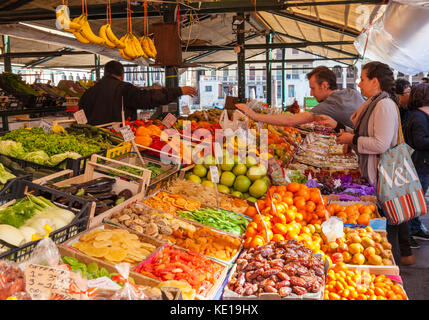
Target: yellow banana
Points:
(152, 47)
(102, 34)
(76, 33)
(118, 43)
(86, 32)
(65, 20)
(129, 48)
(145, 46)
(138, 47)
(121, 51)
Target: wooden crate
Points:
(91, 174)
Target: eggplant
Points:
(126, 194)
(106, 196)
(96, 182)
(100, 189)
(108, 202)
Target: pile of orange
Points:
(354, 214)
(345, 284)
(282, 220)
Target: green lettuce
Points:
(12, 148)
(57, 158)
(40, 157)
(5, 175)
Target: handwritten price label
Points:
(169, 120)
(80, 117)
(127, 133)
(214, 173)
(46, 282)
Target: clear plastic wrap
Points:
(398, 37)
(12, 283)
(128, 291)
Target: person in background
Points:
(425, 80)
(338, 104)
(102, 102)
(375, 130)
(417, 137)
(402, 91)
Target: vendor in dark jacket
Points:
(416, 136)
(402, 91)
(102, 103)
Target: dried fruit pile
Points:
(360, 246)
(170, 203)
(207, 242)
(114, 245)
(345, 284)
(278, 267)
(175, 264)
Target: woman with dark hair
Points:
(375, 130)
(417, 137)
(402, 91)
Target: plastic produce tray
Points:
(17, 190)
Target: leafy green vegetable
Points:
(12, 148)
(5, 175)
(39, 157)
(156, 171)
(221, 219)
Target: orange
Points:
(280, 228)
(310, 206)
(363, 219)
(251, 211)
(288, 194)
(257, 241)
(364, 210)
(293, 208)
(299, 202)
(288, 200)
(248, 242)
(279, 218)
(299, 216)
(269, 233)
(251, 232)
(322, 213)
(290, 215)
(278, 238)
(372, 207)
(303, 193)
(261, 204)
(315, 196)
(293, 187)
(331, 209)
(379, 291)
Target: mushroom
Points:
(124, 217)
(137, 228)
(139, 221)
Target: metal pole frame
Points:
(241, 57)
(269, 40)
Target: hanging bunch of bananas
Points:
(148, 46)
(84, 34)
(111, 41)
(132, 49)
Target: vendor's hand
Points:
(325, 121)
(189, 91)
(344, 137)
(245, 109)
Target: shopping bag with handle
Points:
(398, 188)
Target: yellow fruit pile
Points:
(359, 246)
(345, 284)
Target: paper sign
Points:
(186, 110)
(80, 117)
(169, 120)
(43, 282)
(127, 133)
(214, 173)
(46, 126)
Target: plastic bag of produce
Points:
(45, 253)
(128, 291)
(333, 228)
(12, 284)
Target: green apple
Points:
(222, 188)
(246, 195)
(256, 172)
(267, 180)
(252, 199)
(239, 169)
(227, 178)
(237, 194)
(242, 183)
(195, 178)
(258, 188)
(251, 161)
(200, 170)
(227, 163)
(188, 174)
(208, 183)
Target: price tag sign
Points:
(186, 110)
(272, 163)
(46, 282)
(80, 117)
(169, 120)
(127, 133)
(214, 173)
(46, 126)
